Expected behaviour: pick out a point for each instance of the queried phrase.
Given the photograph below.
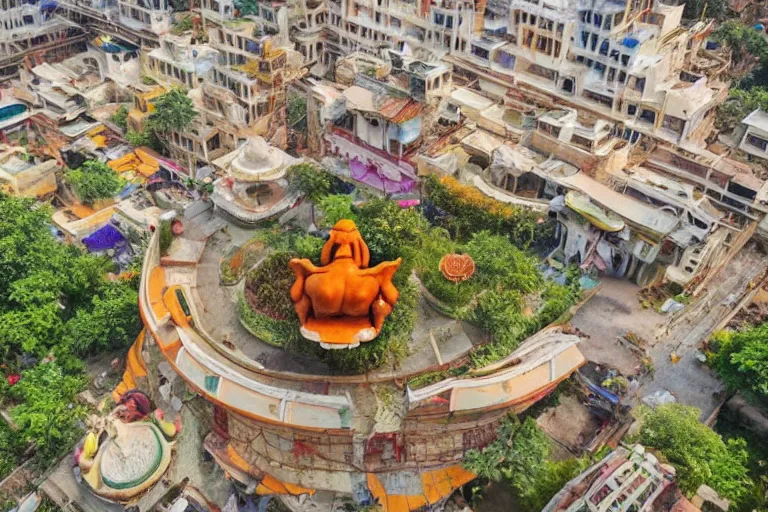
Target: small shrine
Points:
(127, 452)
(343, 302)
(254, 187)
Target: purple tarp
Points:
(106, 237)
(370, 175)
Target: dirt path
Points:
(691, 381)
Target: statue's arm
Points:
(303, 268)
(384, 272)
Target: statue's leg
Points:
(303, 307)
(380, 311)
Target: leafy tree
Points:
(174, 111)
(48, 415)
(45, 284)
(146, 137)
(312, 182)
(112, 321)
(120, 118)
(336, 207)
(521, 456)
(739, 104)
(747, 44)
(698, 453)
(93, 181)
(742, 360)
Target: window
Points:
(622, 77)
(449, 22)
(758, 142)
(631, 109)
(640, 84)
(648, 116)
(482, 53)
(212, 383)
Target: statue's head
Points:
(345, 242)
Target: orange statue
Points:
(343, 302)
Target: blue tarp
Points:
(49, 5)
(630, 42)
(106, 237)
(611, 397)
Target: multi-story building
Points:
(31, 30)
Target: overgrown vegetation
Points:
(741, 360)
(749, 90)
(165, 237)
(94, 181)
(731, 426)
(120, 118)
(55, 306)
(698, 453)
(174, 111)
(47, 414)
(467, 211)
(521, 457)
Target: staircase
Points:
(135, 369)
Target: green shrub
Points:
(120, 117)
(310, 181)
(166, 237)
(699, 454)
(453, 295)
(336, 207)
(10, 450)
(267, 286)
(499, 263)
(281, 333)
(93, 181)
(471, 211)
(501, 314)
(47, 414)
(521, 456)
(741, 360)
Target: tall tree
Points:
(174, 111)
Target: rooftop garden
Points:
(506, 295)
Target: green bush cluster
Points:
(698, 453)
(470, 211)
(47, 414)
(278, 332)
(93, 181)
(55, 303)
(521, 456)
(120, 117)
(741, 360)
(165, 237)
(266, 286)
(495, 296)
